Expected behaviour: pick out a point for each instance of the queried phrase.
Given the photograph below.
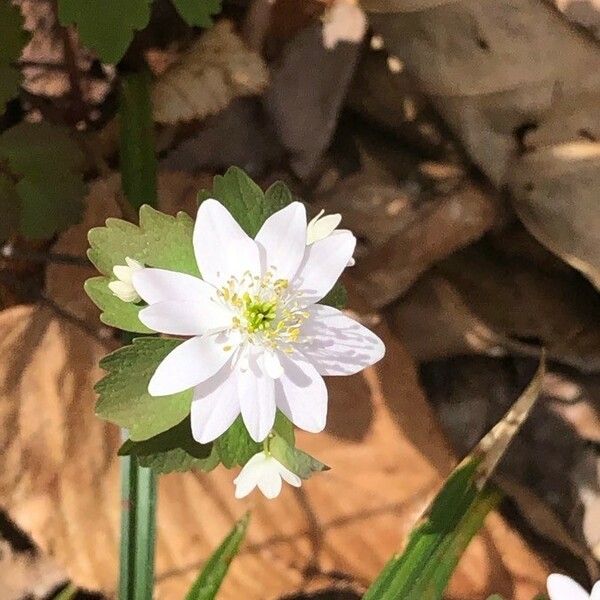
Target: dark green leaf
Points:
(14, 38)
(198, 13)
(435, 546)
(295, 460)
(106, 27)
(337, 296)
(210, 579)
(124, 397)
(44, 165)
(245, 200)
(236, 447)
(173, 450)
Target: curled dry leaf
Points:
(60, 482)
(215, 70)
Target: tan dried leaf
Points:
(215, 70)
(60, 481)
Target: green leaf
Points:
(236, 447)
(124, 397)
(337, 296)
(116, 313)
(211, 577)
(197, 13)
(106, 27)
(160, 241)
(14, 38)
(173, 450)
(435, 546)
(245, 200)
(43, 185)
(295, 460)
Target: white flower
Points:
(123, 287)
(266, 472)
(259, 340)
(561, 587)
(320, 227)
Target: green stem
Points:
(138, 484)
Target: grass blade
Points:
(211, 577)
(435, 546)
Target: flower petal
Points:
(160, 285)
(282, 240)
(248, 478)
(596, 592)
(222, 247)
(215, 407)
(561, 587)
(321, 226)
(186, 318)
(189, 364)
(271, 364)
(338, 345)
(270, 483)
(323, 264)
(123, 291)
(301, 395)
(288, 475)
(256, 393)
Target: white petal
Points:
(248, 478)
(123, 273)
(320, 227)
(124, 291)
(256, 393)
(596, 592)
(301, 395)
(288, 476)
(215, 407)
(160, 285)
(282, 240)
(190, 363)
(323, 264)
(561, 587)
(186, 318)
(270, 484)
(271, 364)
(222, 247)
(133, 264)
(337, 344)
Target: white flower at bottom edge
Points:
(123, 288)
(259, 341)
(265, 472)
(561, 587)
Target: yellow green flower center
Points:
(259, 314)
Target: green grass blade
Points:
(211, 577)
(435, 546)
(68, 593)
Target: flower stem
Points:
(138, 484)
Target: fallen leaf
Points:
(215, 70)
(60, 481)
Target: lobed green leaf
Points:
(106, 27)
(297, 461)
(198, 13)
(41, 170)
(247, 203)
(211, 577)
(123, 392)
(173, 450)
